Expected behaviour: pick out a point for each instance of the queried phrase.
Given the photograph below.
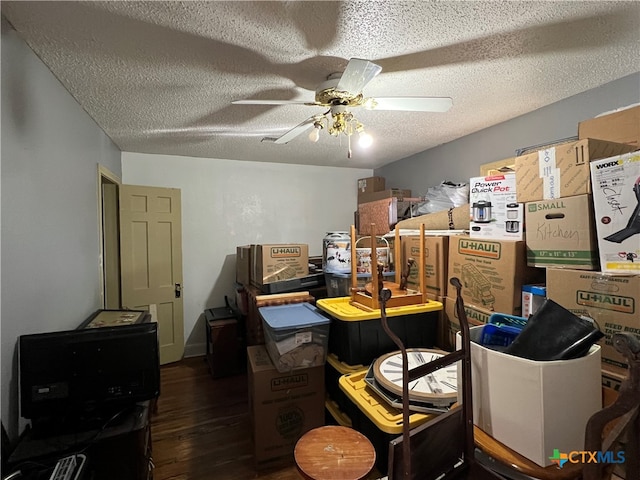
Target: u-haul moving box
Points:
(436, 253)
(278, 262)
(282, 406)
(612, 301)
(492, 273)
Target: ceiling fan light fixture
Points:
(364, 139)
(369, 103)
(314, 135)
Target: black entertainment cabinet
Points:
(122, 451)
(90, 391)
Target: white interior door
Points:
(151, 261)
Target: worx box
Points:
(282, 406)
(492, 273)
(612, 301)
(616, 200)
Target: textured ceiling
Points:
(159, 77)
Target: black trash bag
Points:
(554, 333)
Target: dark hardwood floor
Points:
(201, 429)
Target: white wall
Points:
(50, 248)
(228, 203)
(460, 160)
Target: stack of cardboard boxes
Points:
(583, 226)
(282, 405)
(565, 217)
(259, 268)
(582, 219)
(381, 206)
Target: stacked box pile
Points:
(582, 210)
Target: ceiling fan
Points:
(341, 92)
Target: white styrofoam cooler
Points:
(533, 407)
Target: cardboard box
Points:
(534, 407)
(561, 171)
(616, 199)
(278, 262)
(612, 377)
(370, 185)
(612, 301)
(475, 316)
(400, 194)
(282, 406)
(533, 296)
(561, 233)
(383, 213)
(492, 273)
(493, 209)
(243, 265)
(622, 126)
(500, 167)
(436, 256)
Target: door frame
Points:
(106, 177)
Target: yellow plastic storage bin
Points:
(335, 415)
(374, 418)
(357, 338)
(333, 370)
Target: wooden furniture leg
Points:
(628, 403)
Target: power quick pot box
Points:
(494, 212)
(615, 182)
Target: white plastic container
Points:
(336, 252)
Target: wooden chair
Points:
(626, 409)
(446, 445)
(443, 447)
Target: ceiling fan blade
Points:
(294, 132)
(358, 73)
(410, 104)
(274, 102)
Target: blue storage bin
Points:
(296, 335)
(508, 320)
(498, 337)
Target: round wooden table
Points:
(334, 453)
